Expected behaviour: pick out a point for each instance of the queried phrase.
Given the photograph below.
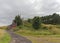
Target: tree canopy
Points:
(36, 23)
(18, 20)
(51, 19)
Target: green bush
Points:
(36, 23)
(18, 20)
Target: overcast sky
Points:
(26, 8)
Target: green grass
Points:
(4, 36)
(39, 36)
(33, 33)
(5, 39)
(50, 33)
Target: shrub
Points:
(36, 23)
(18, 20)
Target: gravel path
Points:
(17, 38)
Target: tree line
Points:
(37, 21)
(51, 19)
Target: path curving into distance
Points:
(17, 38)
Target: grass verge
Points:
(4, 37)
(43, 36)
(47, 34)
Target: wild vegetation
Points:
(36, 29)
(46, 25)
(37, 22)
(39, 27)
(51, 19)
(18, 20)
(4, 37)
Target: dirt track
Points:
(17, 38)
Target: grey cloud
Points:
(50, 6)
(26, 8)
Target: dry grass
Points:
(3, 27)
(44, 39)
(2, 33)
(53, 28)
(54, 38)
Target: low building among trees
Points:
(13, 25)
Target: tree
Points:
(51, 19)
(18, 20)
(29, 20)
(56, 19)
(36, 23)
